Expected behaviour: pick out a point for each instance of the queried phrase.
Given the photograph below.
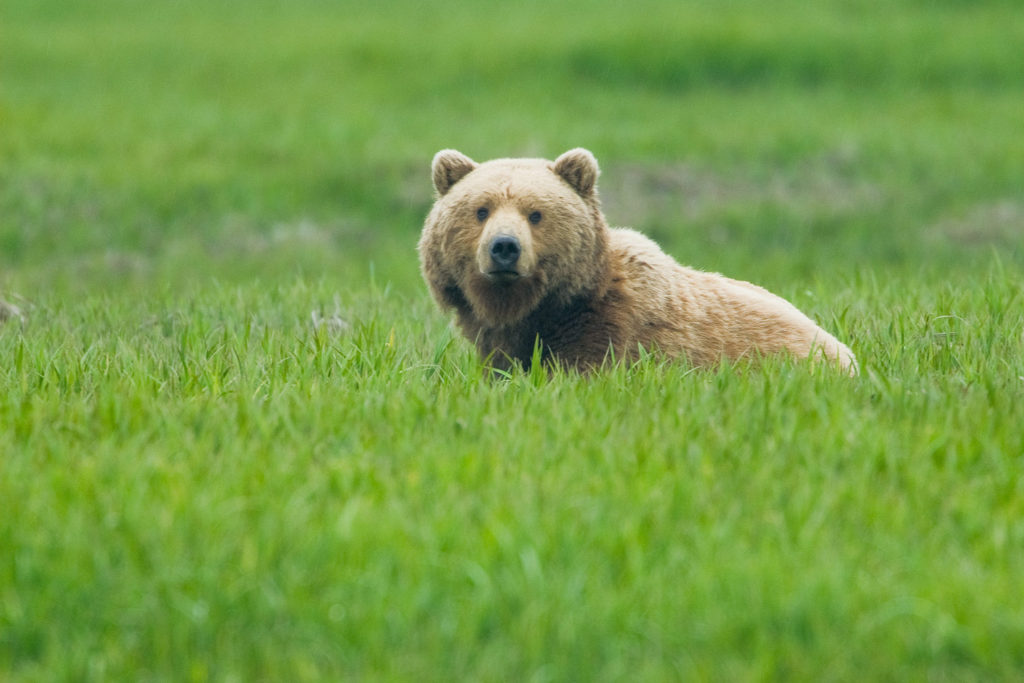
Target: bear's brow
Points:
(511, 191)
(507, 194)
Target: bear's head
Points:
(509, 235)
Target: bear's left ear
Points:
(448, 168)
(578, 167)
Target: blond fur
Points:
(581, 288)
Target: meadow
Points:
(239, 442)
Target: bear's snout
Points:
(505, 248)
(505, 251)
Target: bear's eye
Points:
(482, 213)
(534, 217)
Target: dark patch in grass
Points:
(739, 53)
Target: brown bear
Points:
(522, 252)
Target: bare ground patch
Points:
(10, 313)
(996, 223)
(635, 193)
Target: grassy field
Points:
(238, 441)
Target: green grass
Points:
(199, 483)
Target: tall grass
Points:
(238, 441)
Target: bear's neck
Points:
(565, 331)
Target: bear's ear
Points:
(578, 167)
(450, 167)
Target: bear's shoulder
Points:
(629, 246)
(638, 259)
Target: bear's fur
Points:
(520, 249)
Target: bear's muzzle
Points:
(504, 251)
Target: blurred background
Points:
(166, 144)
(239, 442)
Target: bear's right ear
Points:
(448, 168)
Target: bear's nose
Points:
(505, 251)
